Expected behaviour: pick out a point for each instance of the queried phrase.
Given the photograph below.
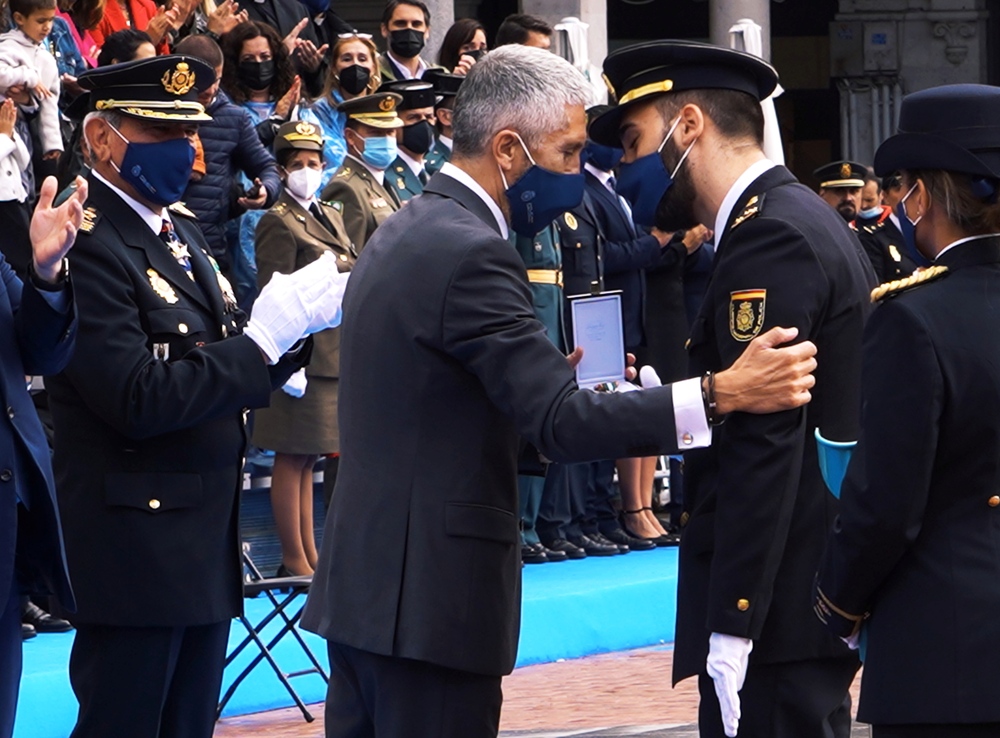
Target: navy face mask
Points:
(909, 230)
(159, 171)
(603, 157)
(540, 196)
(646, 180)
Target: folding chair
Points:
(283, 592)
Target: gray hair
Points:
(112, 117)
(517, 87)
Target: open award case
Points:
(597, 328)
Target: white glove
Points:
(648, 377)
(296, 384)
(852, 641)
(727, 665)
(295, 305)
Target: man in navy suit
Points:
(37, 333)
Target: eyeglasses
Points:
(356, 34)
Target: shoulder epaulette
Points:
(182, 209)
(335, 204)
(345, 172)
(753, 207)
(890, 289)
(90, 219)
(280, 208)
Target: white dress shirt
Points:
(736, 192)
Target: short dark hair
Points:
(461, 32)
(515, 29)
(891, 181)
(121, 46)
(27, 7)
(736, 114)
(201, 47)
(390, 8)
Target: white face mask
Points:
(304, 182)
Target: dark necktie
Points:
(423, 177)
(177, 249)
(318, 214)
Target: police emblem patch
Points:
(746, 313)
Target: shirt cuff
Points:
(690, 419)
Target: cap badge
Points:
(845, 170)
(305, 128)
(180, 81)
(387, 105)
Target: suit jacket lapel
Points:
(136, 234)
(445, 186)
(601, 191)
(204, 271)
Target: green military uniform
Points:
(400, 180)
(543, 261)
(436, 157)
(363, 202)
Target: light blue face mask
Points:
(870, 213)
(380, 151)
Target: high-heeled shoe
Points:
(657, 539)
(670, 539)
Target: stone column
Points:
(724, 13)
(592, 12)
(442, 16)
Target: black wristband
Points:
(41, 284)
(708, 397)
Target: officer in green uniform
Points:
(358, 187)
(407, 176)
(445, 88)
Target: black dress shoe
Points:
(593, 547)
(554, 555)
(622, 538)
(41, 621)
(601, 538)
(27, 631)
(571, 551)
(533, 553)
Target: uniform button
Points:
(994, 501)
(225, 331)
(6, 475)
(742, 605)
(343, 258)
(182, 327)
(154, 504)
(687, 439)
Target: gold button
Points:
(994, 501)
(743, 605)
(688, 439)
(182, 327)
(343, 258)
(154, 504)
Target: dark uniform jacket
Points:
(916, 545)
(149, 426)
(883, 243)
(443, 364)
(756, 509)
(437, 157)
(401, 180)
(290, 237)
(624, 254)
(35, 338)
(364, 203)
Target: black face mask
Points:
(257, 75)
(406, 43)
(418, 137)
(476, 54)
(354, 79)
(676, 209)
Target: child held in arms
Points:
(26, 62)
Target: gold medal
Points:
(161, 286)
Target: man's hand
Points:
(291, 40)
(53, 230)
(727, 665)
(766, 379)
(283, 108)
(695, 237)
(254, 203)
(308, 55)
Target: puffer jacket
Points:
(231, 145)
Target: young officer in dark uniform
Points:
(443, 364)
(149, 414)
(406, 175)
(756, 509)
(913, 558)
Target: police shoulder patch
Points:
(746, 313)
(897, 286)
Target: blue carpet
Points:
(570, 610)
